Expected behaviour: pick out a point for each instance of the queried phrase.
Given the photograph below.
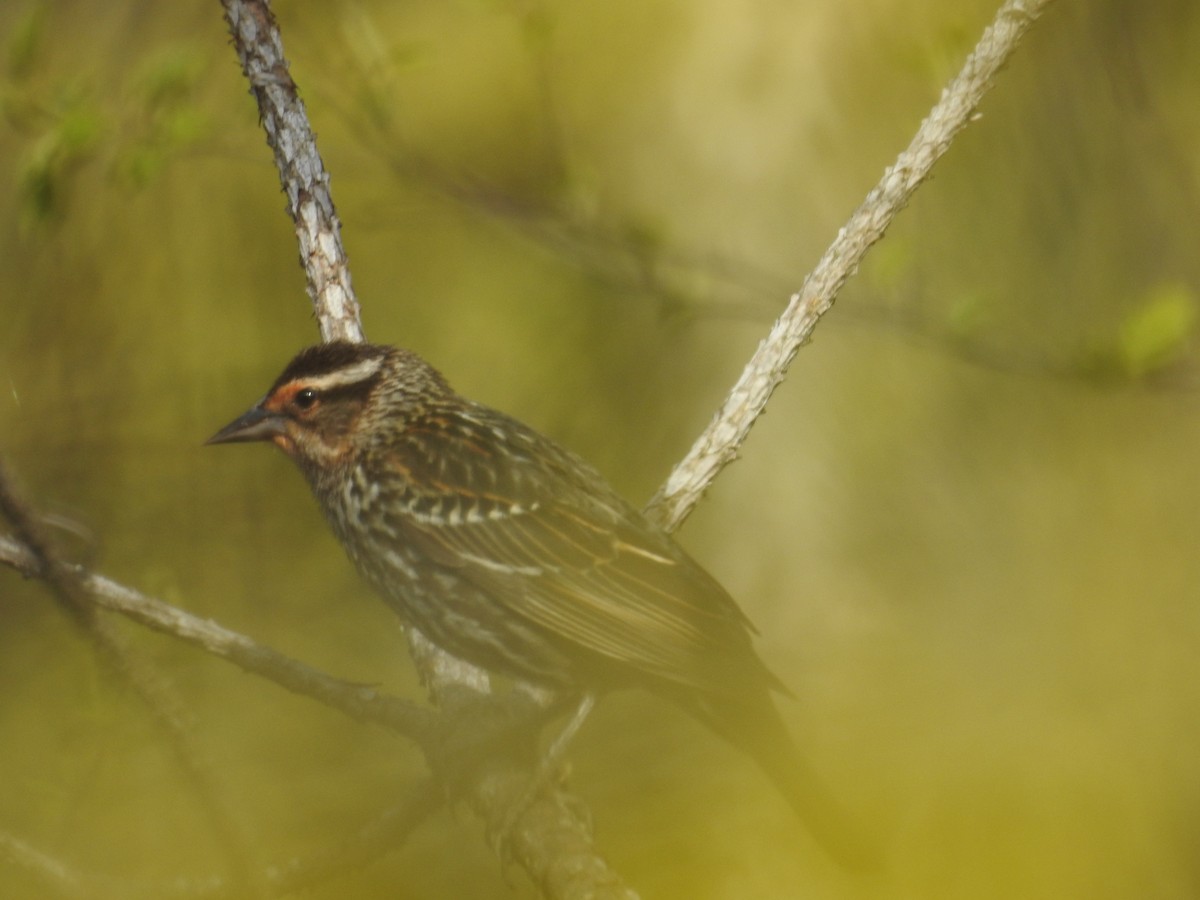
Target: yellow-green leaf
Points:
(1158, 332)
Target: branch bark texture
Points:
(301, 169)
(718, 445)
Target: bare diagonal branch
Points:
(361, 702)
(718, 445)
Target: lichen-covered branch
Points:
(301, 171)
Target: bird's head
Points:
(333, 399)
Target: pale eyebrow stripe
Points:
(355, 374)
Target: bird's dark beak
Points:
(256, 425)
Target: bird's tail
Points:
(757, 729)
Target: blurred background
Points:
(968, 529)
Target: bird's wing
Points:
(539, 531)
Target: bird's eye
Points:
(305, 399)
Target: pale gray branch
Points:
(53, 873)
(718, 445)
(361, 702)
(301, 170)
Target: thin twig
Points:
(166, 709)
(380, 836)
(360, 702)
(377, 837)
(718, 445)
(53, 873)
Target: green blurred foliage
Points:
(24, 41)
(1161, 332)
(967, 530)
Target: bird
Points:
(514, 554)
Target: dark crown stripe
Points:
(321, 364)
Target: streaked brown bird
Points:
(515, 555)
